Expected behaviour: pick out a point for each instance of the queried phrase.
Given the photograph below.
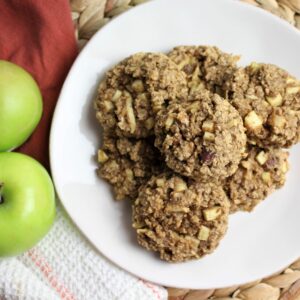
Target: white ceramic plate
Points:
(256, 244)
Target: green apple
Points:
(20, 105)
(27, 205)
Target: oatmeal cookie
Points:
(126, 164)
(268, 99)
(204, 66)
(203, 138)
(180, 219)
(133, 90)
(260, 173)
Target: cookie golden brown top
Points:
(259, 174)
(134, 90)
(268, 99)
(180, 219)
(203, 138)
(205, 66)
(127, 164)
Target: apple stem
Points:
(1, 191)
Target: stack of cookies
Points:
(190, 137)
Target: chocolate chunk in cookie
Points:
(203, 138)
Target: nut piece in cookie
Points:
(203, 138)
(268, 99)
(178, 218)
(126, 164)
(259, 174)
(134, 89)
(204, 66)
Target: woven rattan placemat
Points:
(88, 17)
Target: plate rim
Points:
(59, 103)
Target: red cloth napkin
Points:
(39, 36)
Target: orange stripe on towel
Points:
(47, 271)
(152, 288)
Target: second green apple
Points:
(27, 203)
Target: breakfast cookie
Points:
(180, 219)
(136, 88)
(268, 99)
(204, 66)
(127, 163)
(202, 138)
(260, 173)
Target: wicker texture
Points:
(89, 16)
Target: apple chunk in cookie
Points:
(134, 90)
(204, 66)
(202, 138)
(178, 218)
(268, 99)
(259, 174)
(127, 163)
